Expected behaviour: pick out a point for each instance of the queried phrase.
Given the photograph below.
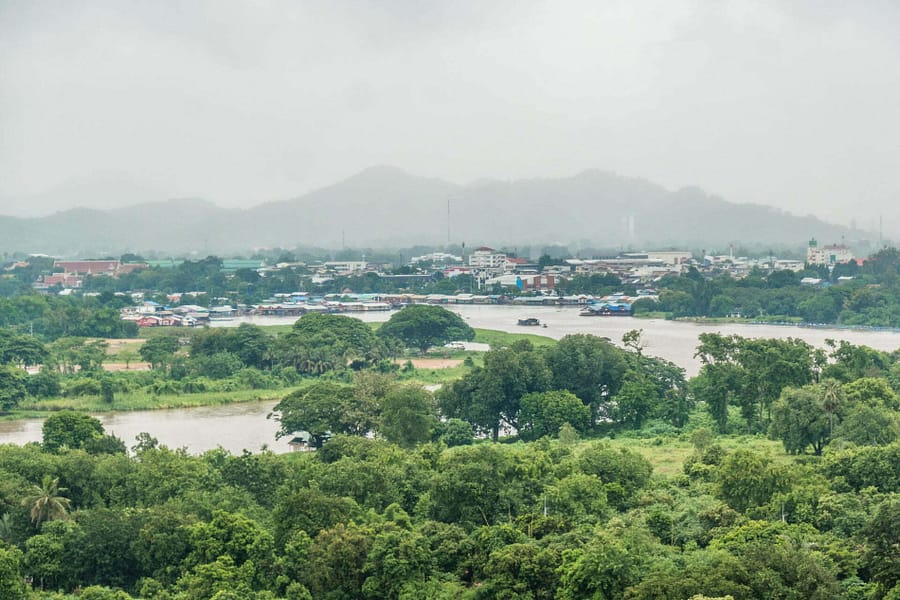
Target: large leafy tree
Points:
(159, 351)
(71, 352)
(591, 368)
(747, 479)
(318, 343)
(407, 416)
(336, 562)
(882, 538)
(637, 401)
(21, 349)
(489, 397)
(800, 420)
(869, 426)
(12, 387)
(422, 326)
(12, 584)
(543, 413)
(70, 429)
(325, 409)
(752, 373)
(485, 483)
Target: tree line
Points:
(365, 518)
(868, 299)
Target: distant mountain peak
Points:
(386, 206)
(388, 175)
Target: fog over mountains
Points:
(387, 207)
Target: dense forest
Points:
(570, 469)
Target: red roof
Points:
(63, 279)
(83, 267)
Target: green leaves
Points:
(544, 413)
(70, 430)
(12, 387)
(46, 502)
(423, 326)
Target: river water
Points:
(239, 426)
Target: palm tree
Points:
(832, 396)
(46, 503)
(6, 528)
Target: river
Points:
(673, 340)
(238, 426)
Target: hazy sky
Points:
(794, 104)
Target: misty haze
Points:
(792, 106)
(449, 300)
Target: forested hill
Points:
(385, 207)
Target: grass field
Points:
(499, 339)
(142, 400)
(668, 453)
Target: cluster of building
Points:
(148, 313)
(70, 274)
(496, 277)
(297, 304)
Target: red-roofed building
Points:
(113, 268)
(66, 280)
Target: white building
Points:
(437, 257)
(671, 257)
(487, 258)
(346, 267)
(827, 255)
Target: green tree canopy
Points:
(799, 419)
(159, 351)
(489, 397)
(423, 326)
(543, 413)
(12, 387)
(69, 429)
(325, 409)
(591, 368)
(407, 416)
(45, 502)
(319, 343)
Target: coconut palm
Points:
(46, 503)
(6, 528)
(832, 398)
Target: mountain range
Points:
(389, 208)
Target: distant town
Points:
(483, 276)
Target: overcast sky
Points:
(793, 104)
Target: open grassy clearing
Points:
(121, 350)
(668, 453)
(499, 339)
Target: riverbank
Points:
(434, 370)
(144, 401)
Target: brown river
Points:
(239, 426)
